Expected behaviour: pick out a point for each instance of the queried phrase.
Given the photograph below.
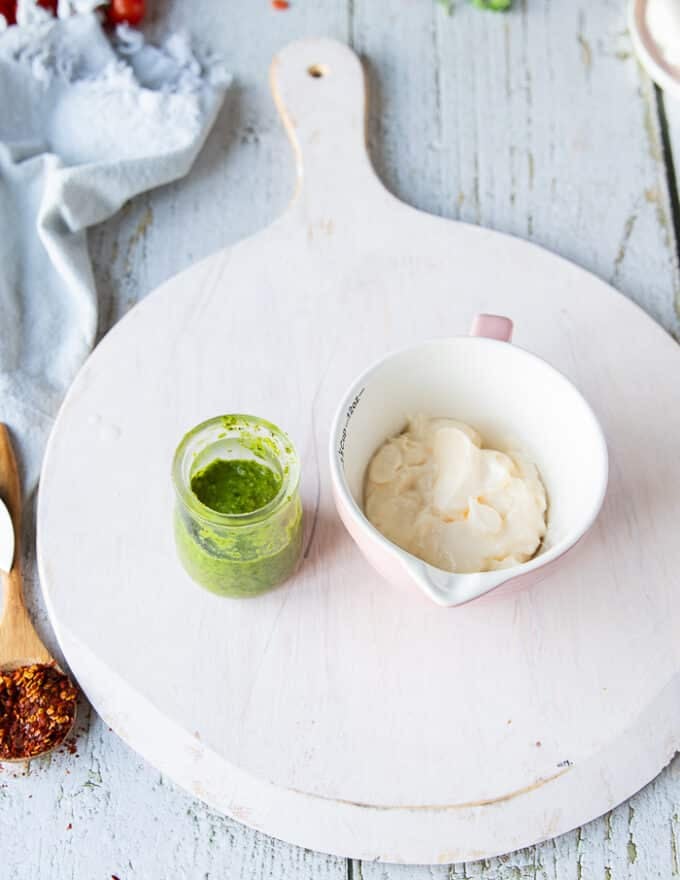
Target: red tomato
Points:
(126, 11)
(8, 8)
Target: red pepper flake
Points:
(280, 4)
(71, 747)
(37, 708)
(8, 8)
(69, 826)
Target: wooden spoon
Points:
(20, 644)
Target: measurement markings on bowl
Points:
(350, 412)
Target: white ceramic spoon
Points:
(6, 539)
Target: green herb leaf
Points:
(446, 5)
(493, 5)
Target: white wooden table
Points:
(539, 123)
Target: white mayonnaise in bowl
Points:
(503, 392)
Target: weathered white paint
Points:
(538, 123)
(358, 721)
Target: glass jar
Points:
(243, 554)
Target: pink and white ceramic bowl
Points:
(506, 393)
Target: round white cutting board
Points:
(337, 712)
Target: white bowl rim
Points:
(539, 561)
(647, 50)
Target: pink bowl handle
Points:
(493, 327)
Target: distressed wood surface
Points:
(539, 123)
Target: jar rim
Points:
(290, 475)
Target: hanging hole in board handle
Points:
(317, 70)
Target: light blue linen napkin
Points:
(85, 124)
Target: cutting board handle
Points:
(320, 92)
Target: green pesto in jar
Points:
(238, 516)
(235, 485)
(239, 563)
